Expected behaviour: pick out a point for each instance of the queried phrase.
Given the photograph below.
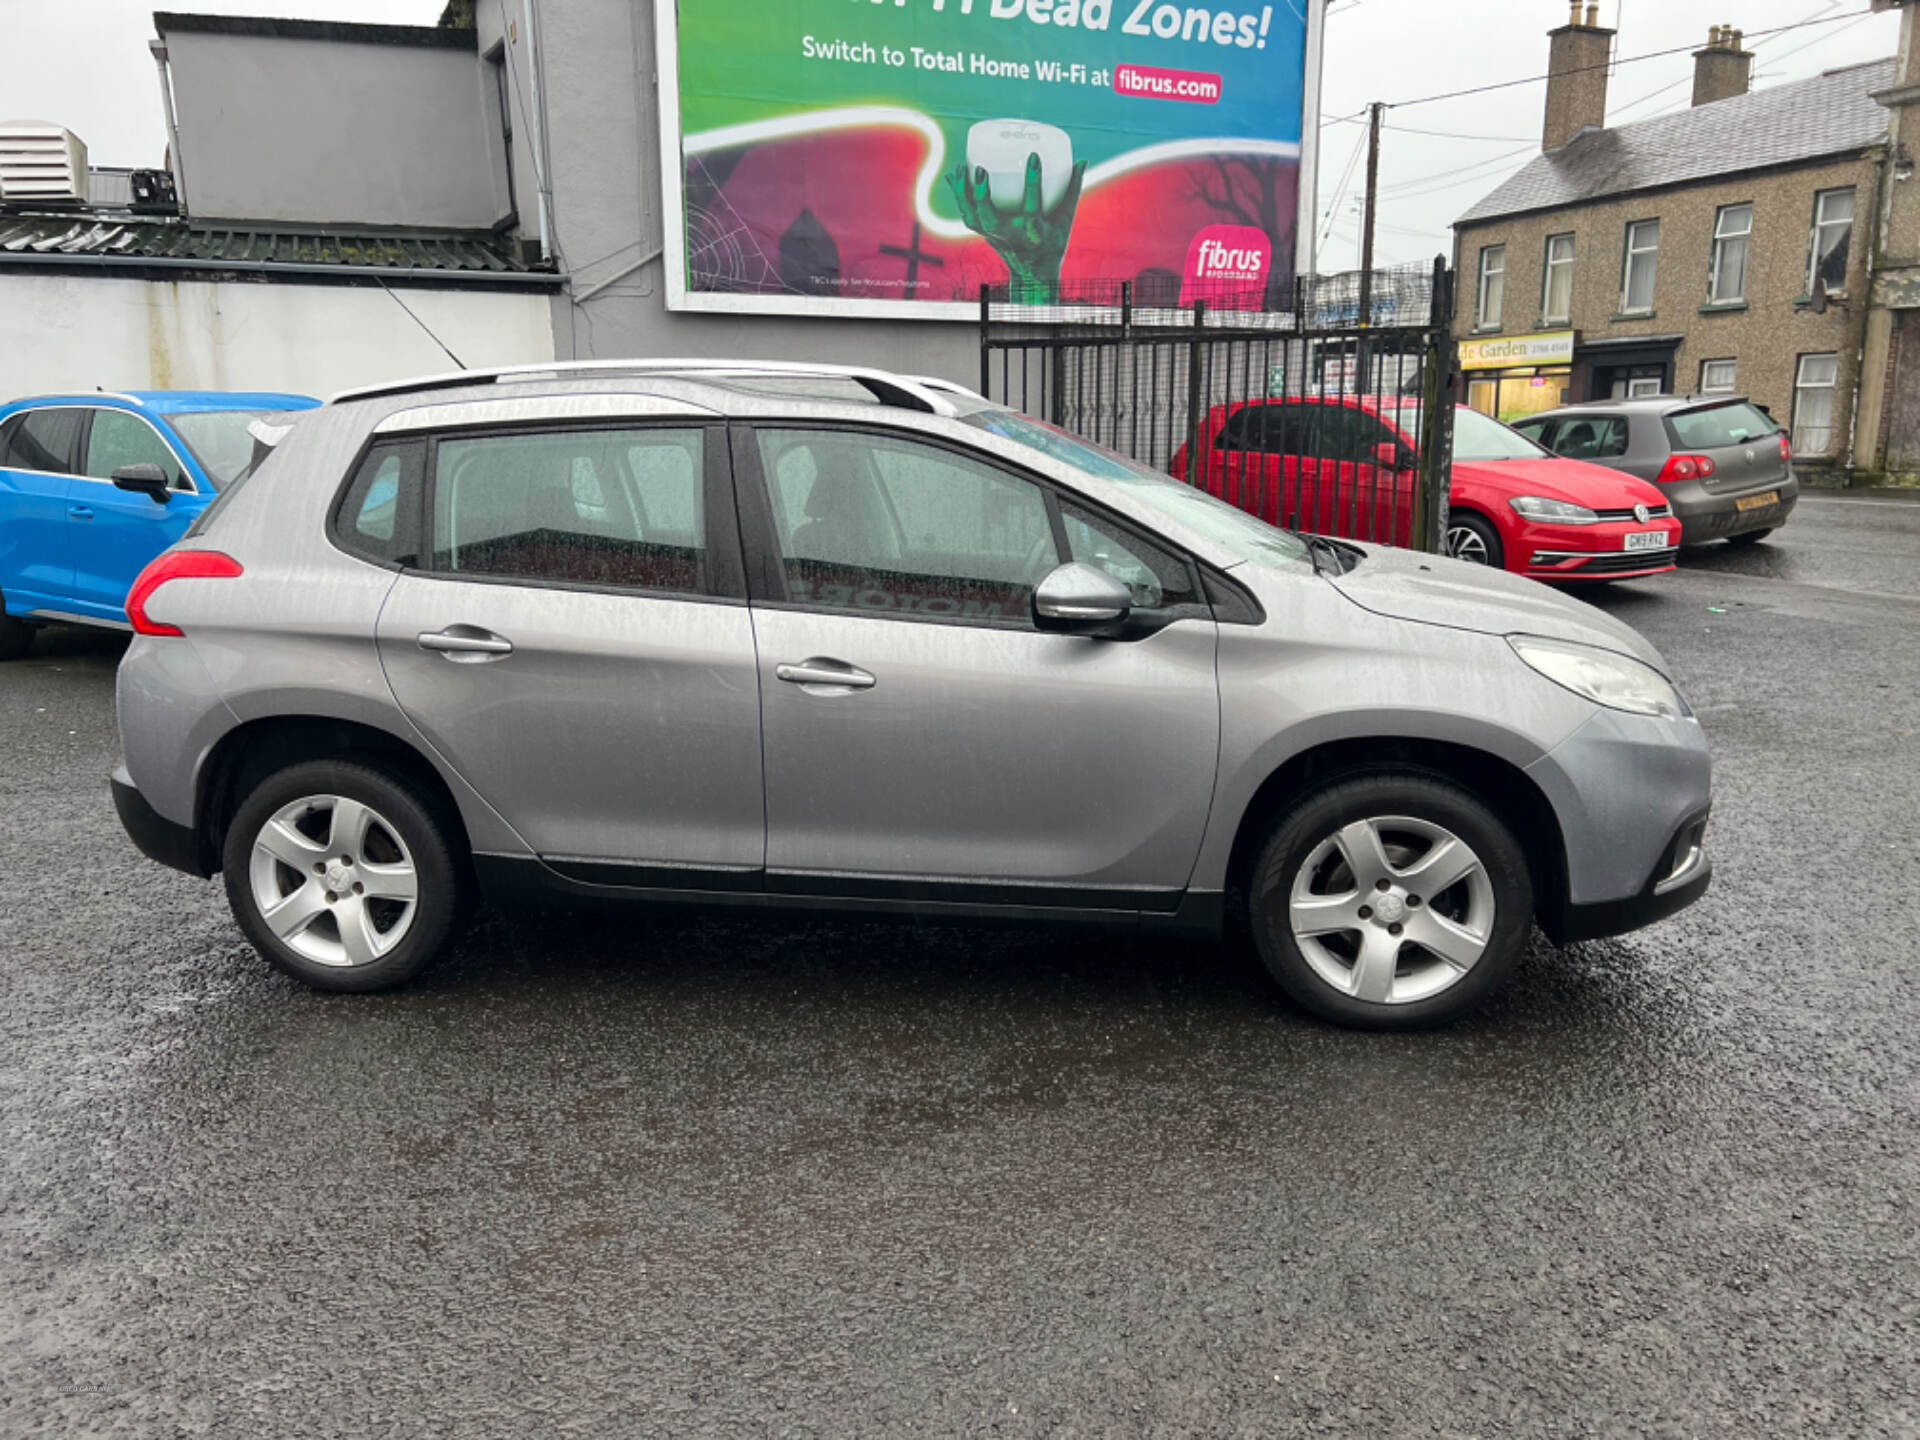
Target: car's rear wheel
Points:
(344, 876)
(1751, 537)
(15, 635)
(1391, 901)
(1473, 539)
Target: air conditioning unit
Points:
(41, 164)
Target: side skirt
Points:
(525, 880)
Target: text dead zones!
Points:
(1196, 24)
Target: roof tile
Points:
(1827, 115)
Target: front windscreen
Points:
(219, 440)
(1477, 436)
(1224, 524)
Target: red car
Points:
(1344, 465)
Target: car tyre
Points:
(1472, 538)
(345, 876)
(1333, 912)
(1751, 537)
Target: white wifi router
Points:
(1001, 148)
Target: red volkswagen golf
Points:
(1344, 466)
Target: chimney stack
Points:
(1723, 69)
(1576, 76)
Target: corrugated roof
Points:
(81, 238)
(1830, 114)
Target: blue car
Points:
(92, 487)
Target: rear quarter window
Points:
(1717, 426)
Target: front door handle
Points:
(466, 644)
(818, 670)
(80, 512)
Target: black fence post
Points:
(986, 320)
(1196, 470)
(1436, 439)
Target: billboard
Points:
(888, 157)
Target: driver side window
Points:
(889, 526)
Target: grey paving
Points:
(626, 1176)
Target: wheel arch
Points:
(255, 749)
(1503, 786)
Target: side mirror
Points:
(1391, 455)
(1078, 599)
(147, 479)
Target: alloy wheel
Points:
(333, 879)
(1391, 910)
(1466, 543)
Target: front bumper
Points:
(1558, 553)
(1682, 877)
(157, 837)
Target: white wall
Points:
(79, 332)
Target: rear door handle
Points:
(466, 643)
(80, 512)
(818, 670)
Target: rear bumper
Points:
(1682, 877)
(1706, 516)
(157, 837)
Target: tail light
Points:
(1684, 467)
(1786, 450)
(174, 565)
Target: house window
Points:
(1832, 232)
(497, 59)
(1493, 286)
(1643, 255)
(1813, 404)
(1716, 377)
(1556, 286)
(1727, 280)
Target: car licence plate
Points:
(1757, 502)
(1646, 540)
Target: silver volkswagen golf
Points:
(801, 638)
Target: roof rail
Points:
(906, 392)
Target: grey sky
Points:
(84, 64)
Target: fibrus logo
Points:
(1227, 265)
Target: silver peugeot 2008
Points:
(790, 637)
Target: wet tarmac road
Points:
(630, 1176)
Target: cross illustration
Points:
(913, 255)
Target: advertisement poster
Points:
(875, 157)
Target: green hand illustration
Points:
(1033, 242)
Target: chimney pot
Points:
(1593, 13)
(1573, 14)
(1713, 37)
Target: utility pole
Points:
(1365, 318)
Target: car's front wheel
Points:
(16, 636)
(1473, 539)
(1391, 901)
(344, 876)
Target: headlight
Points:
(1560, 512)
(1617, 681)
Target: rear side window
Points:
(379, 516)
(1598, 437)
(588, 507)
(118, 439)
(1708, 429)
(43, 440)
